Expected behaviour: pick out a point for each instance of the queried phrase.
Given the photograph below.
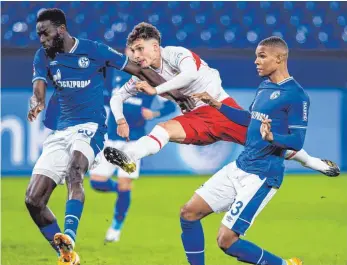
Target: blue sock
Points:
(73, 214)
(248, 252)
(106, 186)
(49, 231)
(193, 241)
(121, 209)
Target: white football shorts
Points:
(240, 194)
(87, 138)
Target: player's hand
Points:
(208, 99)
(146, 88)
(265, 130)
(123, 129)
(35, 108)
(148, 114)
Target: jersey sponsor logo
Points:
(57, 76)
(74, 84)
(114, 51)
(53, 63)
(304, 111)
(259, 116)
(70, 84)
(83, 62)
(275, 94)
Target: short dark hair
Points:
(274, 41)
(144, 31)
(55, 15)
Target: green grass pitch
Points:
(306, 218)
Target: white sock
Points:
(149, 144)
(306, 160)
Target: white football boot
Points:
(112, 235)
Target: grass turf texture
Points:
(306, 218)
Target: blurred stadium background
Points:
(225, 35)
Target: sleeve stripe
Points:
(126, 88)
(39, 78)
(297, 126)
(125, 63)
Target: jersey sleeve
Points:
(120, 95)
(111, 57)
(129, 87)
(183, 60)
(298, 113)
(39, 67)
(297, 124)
(180, 57)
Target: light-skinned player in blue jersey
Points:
(76, 115)
(276, 122)
(137, 111)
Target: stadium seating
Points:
(304, 25)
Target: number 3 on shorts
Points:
(236, 207)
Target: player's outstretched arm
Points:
(117, 60)
(294, 140)
(145, 74)
(239, 116)
(188, 74)
(37, 101)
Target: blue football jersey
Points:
(287, 105)
(78, 79)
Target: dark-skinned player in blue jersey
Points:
(76, 115)
(276, 121)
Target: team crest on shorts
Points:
(275, 94)
(83, 62)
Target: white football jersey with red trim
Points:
(208, 78)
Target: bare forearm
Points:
(153, 78)
(145, 74)
(39, 90)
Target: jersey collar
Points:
(73, 49)
(285, 80)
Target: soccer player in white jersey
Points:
(186, 74)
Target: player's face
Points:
(144, 52)
(266, 61)
(51, 37)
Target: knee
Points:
(75, 173)
(226, 238)
(125, 185)
(33, 201)
(188, 213)
(166, 126)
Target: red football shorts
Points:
(206, 125)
